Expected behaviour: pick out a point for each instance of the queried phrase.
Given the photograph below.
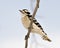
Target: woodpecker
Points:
(36, 27)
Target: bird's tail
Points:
(43, 34)
(45, 37)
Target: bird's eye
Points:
(25, 10)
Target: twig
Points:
(29, 29)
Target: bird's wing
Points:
(36, 23)
(37, 27)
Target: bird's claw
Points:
(26, 37)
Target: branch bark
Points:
(29, 29)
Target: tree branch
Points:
(29, 29)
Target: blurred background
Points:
(12, 32)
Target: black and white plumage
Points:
(36, 27)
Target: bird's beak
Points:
(21, 11)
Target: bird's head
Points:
(24, 12)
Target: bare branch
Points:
(29, 29)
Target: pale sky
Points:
(12, 32)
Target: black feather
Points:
(35, 21)
(27, 12)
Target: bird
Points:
(36, 27)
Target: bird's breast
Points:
(25, 22)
